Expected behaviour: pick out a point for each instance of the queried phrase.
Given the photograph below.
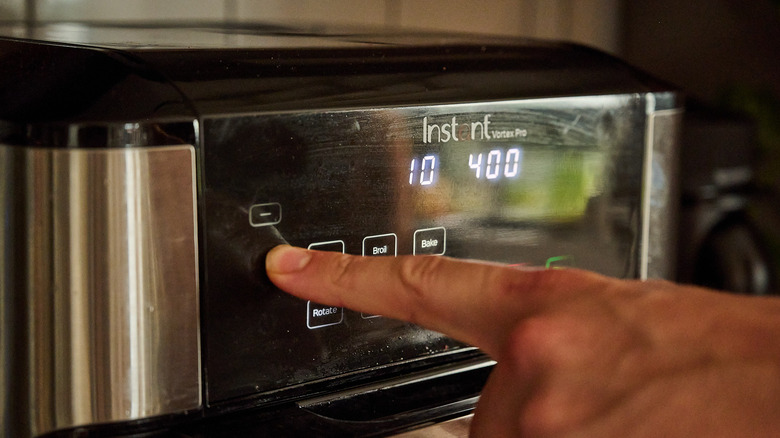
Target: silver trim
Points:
(401, 381)
(98, 286)
(660, 195)
(455, 428)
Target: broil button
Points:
(380, 245)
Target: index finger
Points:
(475, 302)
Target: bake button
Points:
(431, 241)
(380, 245)
(261, 215)
(323, 316)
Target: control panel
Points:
(552, 183)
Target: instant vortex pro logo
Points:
(453, 130)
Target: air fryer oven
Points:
(147, 170)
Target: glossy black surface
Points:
(394, 404)
(48, 83)
(280, 79)
(115, 74)
(570, 197)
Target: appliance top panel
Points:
(224, 36)
(161, 36)
(80, 73)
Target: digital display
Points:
(498, 164)
(552, 183)
(423, 170)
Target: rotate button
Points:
(262, 215)
(319, 315)
(431, 241)
(323, 316)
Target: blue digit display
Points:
(497, 164)
(424, 170)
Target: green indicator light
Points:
(552, 260)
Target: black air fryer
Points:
(145, 171)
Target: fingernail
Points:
(286, 259)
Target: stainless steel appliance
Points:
(146, 171)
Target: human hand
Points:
(578, 354)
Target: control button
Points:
(322, 316)
(432, 241)
(380, 245)
(332, 246)
(261, 215)
(318, 314)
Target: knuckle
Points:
(533, 291)
(537, 356)
(530, 342)
(342, 271)
(529, 283)
(549, 287)
(549, 413)
(653, 285)
(419, 276)
(547, 344)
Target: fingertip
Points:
(286, 259)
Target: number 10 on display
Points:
(424, 171)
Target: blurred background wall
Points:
(593, 21)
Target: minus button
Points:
(261, 215)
